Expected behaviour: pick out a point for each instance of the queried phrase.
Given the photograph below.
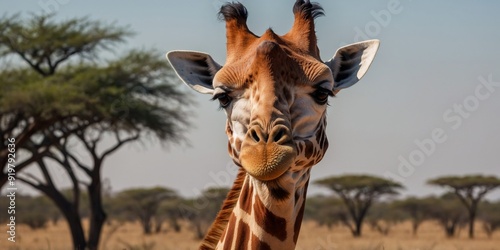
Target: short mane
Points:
(219, 225)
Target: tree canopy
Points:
(470, 190)
(358, 192)
(62, 81)
(45, 44)
(362, 184)
(468, 183)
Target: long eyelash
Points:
(219, 107)
(216, 96)
(333, 96)
(330, 92)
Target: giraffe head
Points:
(274, 89)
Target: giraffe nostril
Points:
(279, 135)
(255, 136)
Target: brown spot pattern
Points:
(309, 149)
(310, 164)
(299, 163)
(279, 193)
(271, 223)
(246, 198)
(298, 223)
(300, 147)
(230, 228)
(258, 244)
(243, 236)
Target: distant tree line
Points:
(360, 196)
(358, 202)
(157, 209)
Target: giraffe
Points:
(274, 90)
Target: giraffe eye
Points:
(321, 95)
(224, 99)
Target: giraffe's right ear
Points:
(195, 69)
(351, 62)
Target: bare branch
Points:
(40, 182)
(32, 184)
(90, 148)
(45, 172)
(119, 143)
(78, 163)
(67, 156)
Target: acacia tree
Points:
(201, 211)
(383, 216)
(169, 212)
(358, 193)
(326, 211)
(470, 190)
(416, 208)
(32, 96)
(143, 203)
(61, 100)
(447, 211)
(490, 215)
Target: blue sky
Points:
(426, 87)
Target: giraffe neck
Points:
(267, 215)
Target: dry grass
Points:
(128, 236)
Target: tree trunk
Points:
(450, 231)
(157, 228)
(450, 227)
(97, 214)
(146, 225)
(158, 225)
(414, 228)
(358, 225)
(175, 224)
(488, 229)
(70, 212)
(199, 232)
(76, 229)
(472, 219)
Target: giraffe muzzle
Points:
(266, 156)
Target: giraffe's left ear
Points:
(351, 62)
(195, 69)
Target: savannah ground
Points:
(129, 236)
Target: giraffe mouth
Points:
(267, 162)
